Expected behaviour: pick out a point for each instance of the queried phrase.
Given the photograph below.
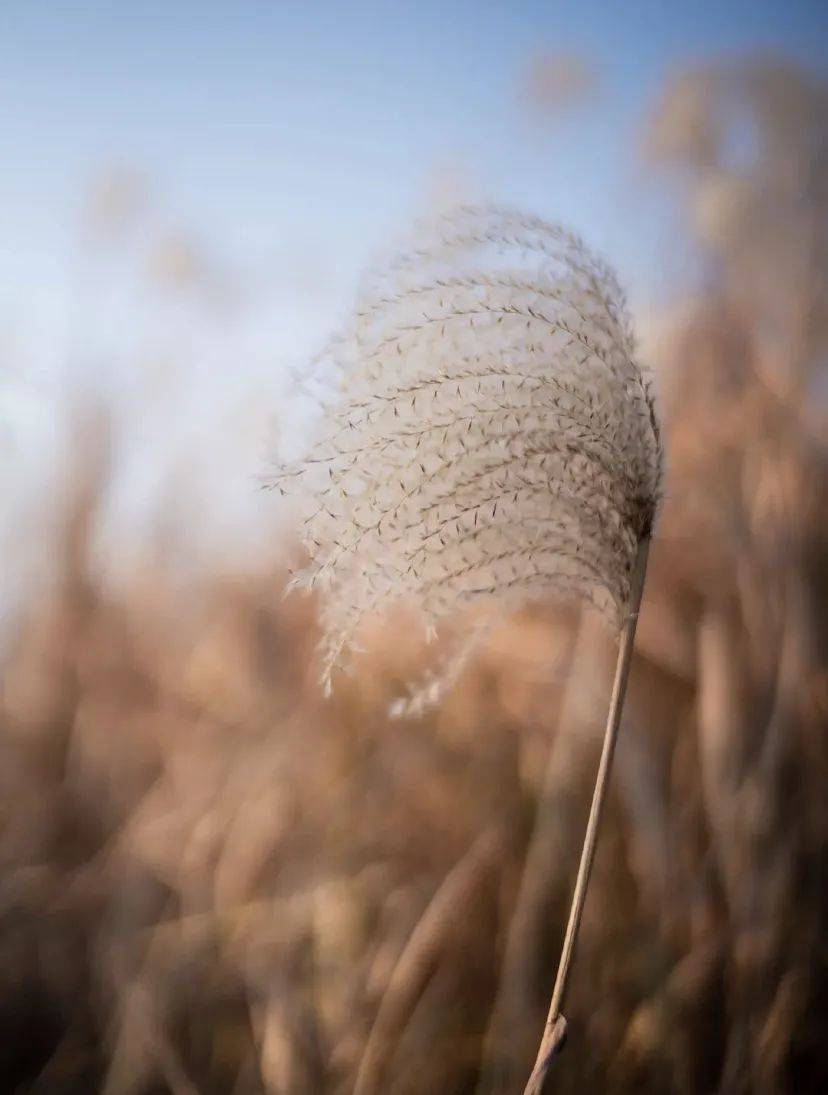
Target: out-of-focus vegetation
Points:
(211, 880)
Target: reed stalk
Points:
(554, 1032)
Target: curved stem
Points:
(555, 1029)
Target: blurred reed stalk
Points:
(554, 1034)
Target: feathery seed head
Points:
(487, 432)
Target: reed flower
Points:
(488, 433)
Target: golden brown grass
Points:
(214, 881)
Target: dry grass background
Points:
(211, 880)
(211, 877)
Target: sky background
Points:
(291, 130)
(289, 141)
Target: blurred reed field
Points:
(214, 880)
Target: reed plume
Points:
(488, 431)
(488, 435)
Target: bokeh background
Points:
(211, 879)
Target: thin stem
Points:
(555, 1029)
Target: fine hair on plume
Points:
(487, 438)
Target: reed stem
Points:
(555, 1029)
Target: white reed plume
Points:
(488, 432)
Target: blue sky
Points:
(293, 138)
(320, 125)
